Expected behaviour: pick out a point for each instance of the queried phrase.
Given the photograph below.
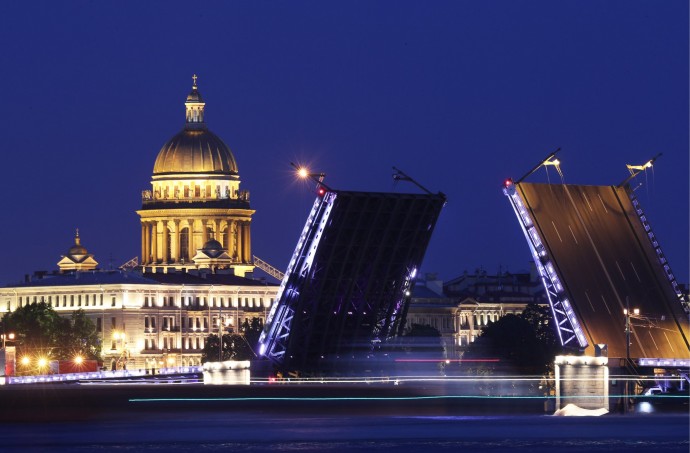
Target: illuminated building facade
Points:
(461, 307)
(195, 197)
(149, 321)
(196, 257)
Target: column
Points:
(143, 242)
(190, 242)
(229, 242)
(175, 243)
(154, 242)
(247, 243)
(147, 243)
(165, 234)
(204, 233)
(237, 237)
(216, 230)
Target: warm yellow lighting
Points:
(42, 362)
(10, 336)
(171, 361)
(26, 361)
(636, 311)
(78, 360)
(117, 335)
(303, 172)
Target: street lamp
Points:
(5, 337)
(628, 330)
(304, 173)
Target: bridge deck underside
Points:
(348, 288)
(602, 253)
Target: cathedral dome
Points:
(195, 149)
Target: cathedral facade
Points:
(195, 198)
(193, 275)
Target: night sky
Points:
(458, 94)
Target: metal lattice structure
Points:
(348, 282)
(598, 258)
(568, 327)
(270, 270)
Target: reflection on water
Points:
(226, 377)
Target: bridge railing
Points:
(97, 375)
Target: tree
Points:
(252, 331)
(522, 343)
(235, 346)
(422, 338)
(40, 332)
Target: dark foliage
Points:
(41, 332)
(525, 343)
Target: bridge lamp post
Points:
(628, 329)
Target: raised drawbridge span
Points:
(606, 276)
(348, 284)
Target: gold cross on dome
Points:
(194, 77)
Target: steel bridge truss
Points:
(569, 329)
(657, 248)
(348, 283)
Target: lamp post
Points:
(5, 337)
(7, 368)
(628, 330)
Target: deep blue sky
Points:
(458, 94)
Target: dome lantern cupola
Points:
(194, 107)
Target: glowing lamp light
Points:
(42, 362)
(508, 182)
(25, 361)
(302, 172)
(78, 360)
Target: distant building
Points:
(459, 308)
(195, 259)
(195, 198)
(148, 321)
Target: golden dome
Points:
(195, 149)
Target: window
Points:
(146, 322)
(71, 300)
(113, 322)
(112, 302)
(101, 300)
(86, 303)
(79, 300)
(64, 300)
(99, 325)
